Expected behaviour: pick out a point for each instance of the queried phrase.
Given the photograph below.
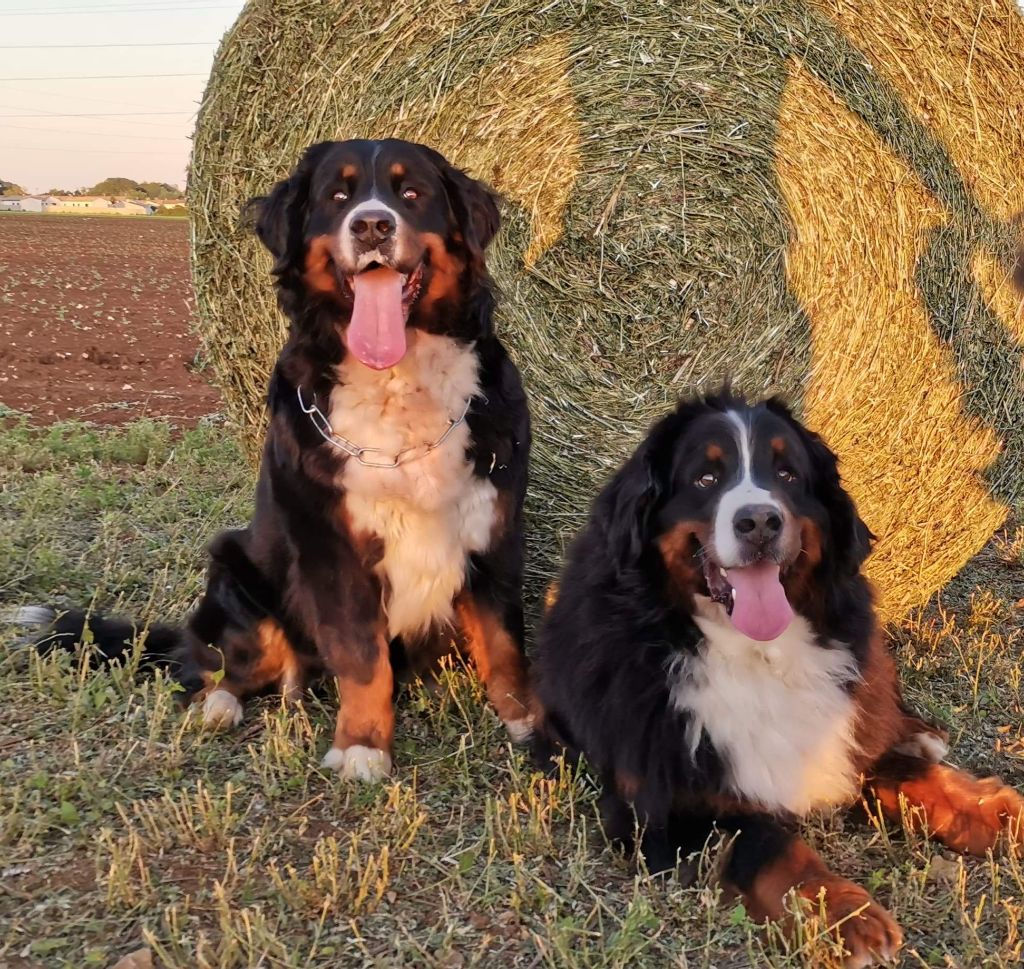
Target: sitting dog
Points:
(388, 521)
(715, 655)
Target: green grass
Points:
(123, 826)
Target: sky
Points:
(63, 124)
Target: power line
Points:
(113, 114)
(94, 134)
(185, 43)
(64, 96)
(99, 114)
(114, 7)
(113, 4)
(95, 77)
(82, 151)
(94, 11)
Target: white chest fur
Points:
(776, 712)
(430, 512)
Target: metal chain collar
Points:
(323, 426)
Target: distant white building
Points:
(30, 203)
(80, 203)
(10, 203)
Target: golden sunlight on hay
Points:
(527, 102)
(1001, 296)
(959, 68)
(881, 385)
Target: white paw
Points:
(358, 763)
(927, 746)
(520, 730)
(221, 709)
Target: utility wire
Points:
(92, 12)
(94, 77)
(82, 151)
(94, 134)
(182, 43)
(99, 114)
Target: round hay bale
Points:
(815, 198)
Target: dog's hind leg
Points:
(964, 812)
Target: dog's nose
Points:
(373, 228)
(757, 523)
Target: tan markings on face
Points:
(319, 274)
(798, 578)
(778, 445)
(349, 171)
(714, 452)
(678, 547)
(446, 270)
(367, 715)
(398, 170)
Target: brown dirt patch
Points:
(95, 320)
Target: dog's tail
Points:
(110, 639)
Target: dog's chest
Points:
(777, 714)
(430, 511)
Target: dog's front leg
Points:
(340, 603)
(364, 731)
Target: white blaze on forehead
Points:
(743, 492)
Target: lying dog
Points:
(388, 515)
(714, 653)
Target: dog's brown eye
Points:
(410, 194)
(707, 480)
(340, 196)
(784, 474)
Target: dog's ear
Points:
(279, 218)
(475, 206)
(627, 507)
(850, 539)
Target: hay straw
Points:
(910, 456)
(643, 253)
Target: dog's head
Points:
(743, 505)
(388, 232)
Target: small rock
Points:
(139, 959)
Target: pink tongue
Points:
(760, 608)
(376, 333)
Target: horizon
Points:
(89, 94)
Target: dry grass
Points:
(651, 158)
(124, 826)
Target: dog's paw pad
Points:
(358, 763)
(221, 710)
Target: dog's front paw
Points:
(869, 934)
(358, 763)
(520, 730)
(221, 710)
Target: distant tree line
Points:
(123, 188)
